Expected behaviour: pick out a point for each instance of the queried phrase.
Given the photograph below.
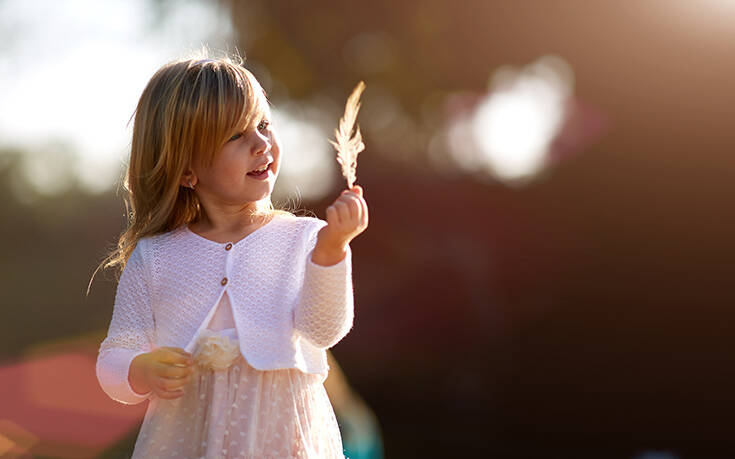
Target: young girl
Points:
(225, 307)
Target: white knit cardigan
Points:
(287, 310)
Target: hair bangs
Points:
(255, 107)
(230, 100)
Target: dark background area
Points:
(585, 314)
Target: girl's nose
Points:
(262, 145)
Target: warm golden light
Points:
(510, 130)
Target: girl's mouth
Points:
(261, 173)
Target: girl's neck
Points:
(229, 228)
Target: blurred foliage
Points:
(52, 244)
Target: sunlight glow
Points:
(516, 122)
(67, 108)
(308, 163)
(81, 90)
(507, 132)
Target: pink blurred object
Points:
(53, 405)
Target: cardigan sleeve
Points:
(130, 333)
(325, 310)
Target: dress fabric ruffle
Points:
(241, 412)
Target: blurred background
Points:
(548, 268)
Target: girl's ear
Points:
(188, 179)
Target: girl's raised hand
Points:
(347, 217)
(165, 371)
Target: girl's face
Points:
(245, 170)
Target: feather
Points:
(348, 145)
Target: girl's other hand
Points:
(347, 217)
(165, 371)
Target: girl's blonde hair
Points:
(189, 107)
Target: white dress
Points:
(241, 412)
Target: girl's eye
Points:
(235, 137)
(263, 125)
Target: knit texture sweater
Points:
(287, 310)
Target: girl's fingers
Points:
(167, 385)
(358, 207)
(356, 195)
(167, 370)
(172, 385)
(175, 351)
(364, 214)
(343, 211)
(174, 372)
(357, 189)
(361, 210)
(174, 356)
(349, 212)
(170, 395)
(353, 205)
(332, 215)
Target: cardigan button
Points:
(223, 281)
(228, 246)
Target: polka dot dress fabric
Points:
(241, 412)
